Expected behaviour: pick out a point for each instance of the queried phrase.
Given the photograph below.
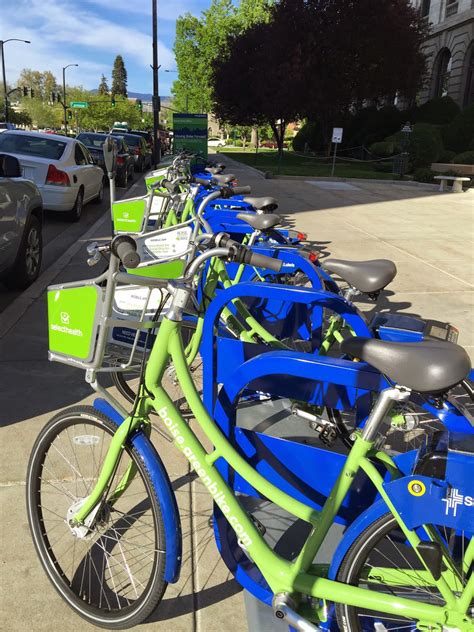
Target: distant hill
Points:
(144, 96)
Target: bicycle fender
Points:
(163, 489)
(373, 513)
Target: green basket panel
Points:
(166, 270)
(72, 321)
(154, 179)
(128, 215)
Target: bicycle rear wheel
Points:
(381, 559)
(112, 573)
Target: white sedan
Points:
(216, 142)
(61, 167)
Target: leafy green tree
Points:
(103, 87)
(119, 77)
(43, 83)
(199, 41)
(41, 113)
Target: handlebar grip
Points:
(203, 181)
(125, 248)
(262, 261)
(241, 190)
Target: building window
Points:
(451, 7)
(441, 71)
(425, 8)
(469, 84)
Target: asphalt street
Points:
(59, 234)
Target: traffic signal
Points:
(112, 101)
(25, 91)
(32, 93)
(139, 104)
(69, 115)
(53, 97)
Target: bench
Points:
(456, 182)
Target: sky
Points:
(91, 33)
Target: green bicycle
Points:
(103, 517)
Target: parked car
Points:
(215, 142)
(4, 126)
(138, 147)
(148, 136)
(125, 160)
(21, 220)
(62, 169)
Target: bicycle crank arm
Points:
(281, 605)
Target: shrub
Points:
(238, 143)
(459, 133)
(229, 141)
(384, 149)
(446, 155)
(309, 136)
(466, 158)
(423, 174)
(425, 144)
(370, 125)
(438, 111)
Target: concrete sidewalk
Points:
(33, 391)
(430, 237)
(428, 234)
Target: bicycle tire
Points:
(107, 593)
(372, 541)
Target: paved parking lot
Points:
(429, 235)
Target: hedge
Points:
(459, 134)
(384, 149)
(425, 144)
(466, 158)
(438, 111)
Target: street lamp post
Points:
(64, 96)
(156, 97)
(2, 42)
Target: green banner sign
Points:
(79, 104)
(190, 132)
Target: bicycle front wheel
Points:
(111, 573)
(381, 559)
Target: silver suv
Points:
(21, 219)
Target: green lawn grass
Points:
(295, 165)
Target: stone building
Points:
(450, 49)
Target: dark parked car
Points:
(139, 149)
(125, 159)
(21, 220)
(148, 136)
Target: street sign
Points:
(337, 134)
(79, 104)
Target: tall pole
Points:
(2, 42)
(4, 85)
(64, 96)
(156, 98)
(64, 101)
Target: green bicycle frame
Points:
(299, 577)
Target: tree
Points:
(119, 77)
(43, 83)
(103, 87)
(336, 55)
(200, 41)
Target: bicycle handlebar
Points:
(125, 248)
(241, 254)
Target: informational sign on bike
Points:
(190, 133)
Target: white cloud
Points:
(66, 33)
(166, 10)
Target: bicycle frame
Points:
(299, 576)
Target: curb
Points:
(12, 314)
